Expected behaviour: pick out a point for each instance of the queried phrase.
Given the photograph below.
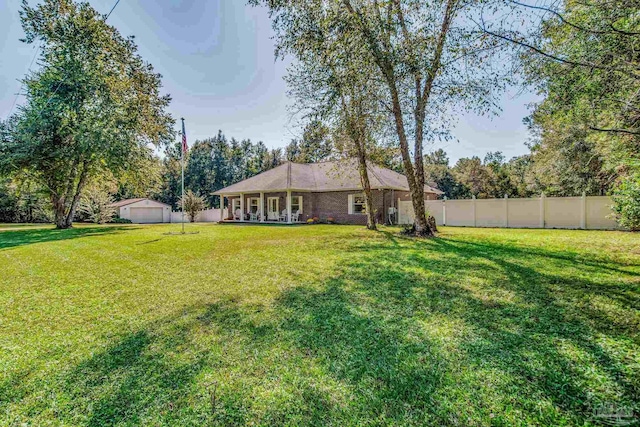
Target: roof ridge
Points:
(370, 169)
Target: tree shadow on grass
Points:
(545, 337)
(164, 374)
(403, 332)
(13, 238)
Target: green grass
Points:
(316, 325)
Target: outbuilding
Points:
(143, 211)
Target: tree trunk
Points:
(65, 211)
(59, 211)
(366, 186)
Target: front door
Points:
(272, 208)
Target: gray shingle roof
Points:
(320, 177)
(126, 202)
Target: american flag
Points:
(184, 139)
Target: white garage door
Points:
(145, 215)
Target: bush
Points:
(626, 198)
(192, 204)
(331, 220)
(95, 205)
(118, 220)
(310, 221)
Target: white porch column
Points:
(221, 208)
(241, 206)
(289, 206)
(261, 207)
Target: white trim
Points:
(289, 206)
(352, 211)
(249, 205)
(350, 201)
(300, 203)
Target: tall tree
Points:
(583, 57)
(326, 83)
(475, 176)
(424, 52)
(171, 176)
(565, 161)
(315, 145)
(438, 172)
(93, 106)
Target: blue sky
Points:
(217, 62)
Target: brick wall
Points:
(335, 204)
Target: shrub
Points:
(310, 221)
(331, 220)
(95, 204)
(192, 204)
(118, 220)
(626, 198)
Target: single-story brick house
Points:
(295, 192)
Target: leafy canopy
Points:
(93, 106)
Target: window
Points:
(235, 203)
(296, 204)
(356, 204)
(252, 206)
(359, 206)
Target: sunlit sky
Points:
(217, 62)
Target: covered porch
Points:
(274, 207)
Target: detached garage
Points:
(143, 211)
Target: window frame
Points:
(250, 205)
(300, 204)
(363, 204)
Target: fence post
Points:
(473, 204)
(444, 211)
(506, 210)
(583, 208)
(542, 213)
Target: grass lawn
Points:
(317, 325)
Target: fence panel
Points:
(598, 213)
(592, 213)
(460, 213)
(208, 215)
(491, 213)
(562, 212)
(524, 213)
(435, 208)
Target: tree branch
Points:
(554, 57)
(625, 131)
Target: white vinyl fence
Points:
(586, 212)
(209, 215)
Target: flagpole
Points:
(182, 151)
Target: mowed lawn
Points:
(317, 325)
